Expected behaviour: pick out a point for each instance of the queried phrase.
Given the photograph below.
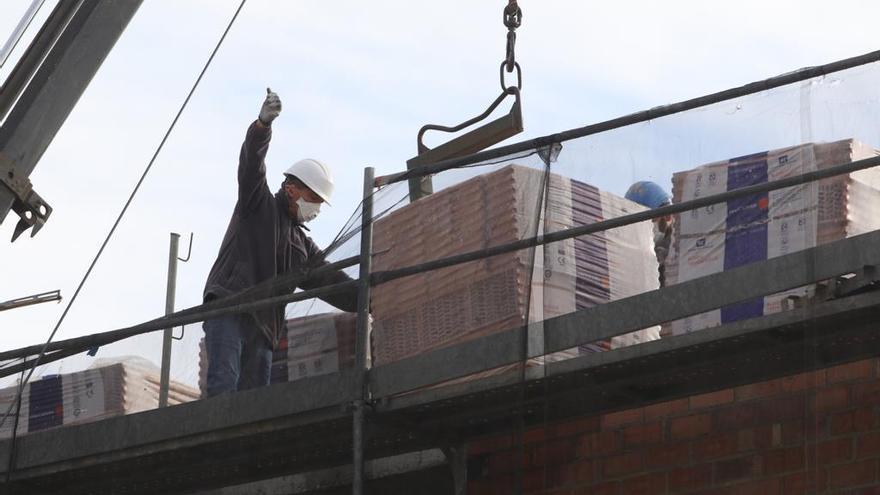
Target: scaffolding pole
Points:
(170, 292)
(363, 331)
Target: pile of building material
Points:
(764, 226)
(455, 304)
(109, 388)
(312, 345)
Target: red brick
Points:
(601, 443)
(861, 419)
(569, 428)
(620, 418)
(584, 471)
(503, 462)
(784, 460)
(762, 437)
(712, 399)
(866, 392)
(850, 371)
(853, 474)
(834, 451)
(788, 384)
(868, 445)
(780, 409)
(533, 480)
(560, 475)
(810, 481)
(796, 432)
(716, 446)
(643, 434)
(631, 462)
(690, 426)
(667, 455)
(804, 381)
(480, 487)
(830, 399)
(735, 469)
(666, 409)
(534, 435)
(496, 486)
(760, 487)
(736, 417)
(607, 488)
(756, 390)
(793, 432)
(559, 451)
(646, 484)
(690, 478)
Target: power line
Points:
(82, 282)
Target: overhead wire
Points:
(109, 235)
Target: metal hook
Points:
(188, 250)
(182, 332)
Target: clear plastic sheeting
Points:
(764, 226)
(439, 308)
(109, 387)
(593, 172)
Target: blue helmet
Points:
(647, 193)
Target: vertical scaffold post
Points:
(362, 342)
(170, 293)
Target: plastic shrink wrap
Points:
(764, 226)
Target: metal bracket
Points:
(32, 210)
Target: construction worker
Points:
(266, 237)
(652, 195)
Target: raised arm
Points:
(251, 162)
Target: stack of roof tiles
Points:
(764, 226)
(105, 390)
(455, 304)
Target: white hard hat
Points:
(315, 175)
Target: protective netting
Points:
(750, 140)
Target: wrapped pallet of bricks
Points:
(444, 307)
(311, 346)
(764, 226)
(109, 388)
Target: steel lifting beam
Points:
(53, 91)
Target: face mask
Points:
(306, 211)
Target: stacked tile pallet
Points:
(105, 390)
(452, 305)
(764, 226)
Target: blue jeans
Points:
(239, 356)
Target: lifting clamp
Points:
(484, 136)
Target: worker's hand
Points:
(271, 108)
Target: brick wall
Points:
(816, 432)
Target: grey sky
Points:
(357, 81)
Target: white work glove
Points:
(271, 108)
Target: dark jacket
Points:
(262, 241)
